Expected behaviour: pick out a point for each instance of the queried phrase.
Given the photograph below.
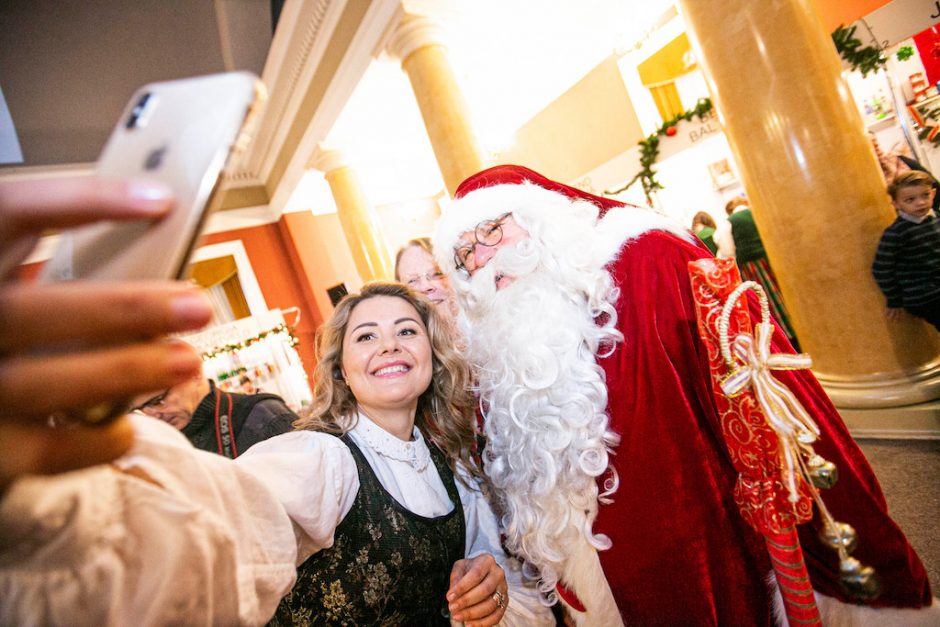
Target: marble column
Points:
(419, 44)
(816, 192)
(360, 224)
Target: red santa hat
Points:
(504, 188)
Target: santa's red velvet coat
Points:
(682, 554)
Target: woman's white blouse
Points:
(172, 535)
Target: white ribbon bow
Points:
(784, 413)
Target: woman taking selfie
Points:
(393, 390)
(378, 490)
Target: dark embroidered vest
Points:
(387, 566)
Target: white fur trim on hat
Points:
(487, 203)
(533, 208)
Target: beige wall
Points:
(588, 125)
(322, 255)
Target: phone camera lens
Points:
(135, 119)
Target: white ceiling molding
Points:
(379, 17)
(295, 61)
(303, 33)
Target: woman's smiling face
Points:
(386, 357)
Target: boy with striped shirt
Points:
(907, 262)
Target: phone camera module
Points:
(140, 114)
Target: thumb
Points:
(458, 571)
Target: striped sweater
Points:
(907, 263)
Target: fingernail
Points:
(191, 310)
(183, 360)
(150, 195)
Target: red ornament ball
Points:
(671, 131)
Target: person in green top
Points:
(704, 226)
(740, 240)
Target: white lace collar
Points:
(414, 453)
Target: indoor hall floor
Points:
(909, 473)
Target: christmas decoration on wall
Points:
(905, 52)
(862, 58)
(255, 354)
(227, 366)
(926, 122)
(649, 148)
(237, 346)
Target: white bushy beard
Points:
(534, 344)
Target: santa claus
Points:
(603, 436)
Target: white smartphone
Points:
(181, 133)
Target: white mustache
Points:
(514, 261)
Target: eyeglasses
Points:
(433, 276)
(488, 233)
(152, 402)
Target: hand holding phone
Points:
(68, 346)
(177, 135)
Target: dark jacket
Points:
(251, 417)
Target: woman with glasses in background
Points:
(416, 268)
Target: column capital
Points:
(414, 32)
(326, 159)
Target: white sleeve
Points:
(483, 536)
(166, 535)
(725, 240)
(313, 476)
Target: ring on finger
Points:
(500, 599)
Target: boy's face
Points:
(914, 200)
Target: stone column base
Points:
(913, 422)
(881, 407)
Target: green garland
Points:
(232, 373)
(231, 348)
(866, 59)
(649, 148)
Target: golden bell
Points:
(822, 473)
(813, 460)
(858, 581)
(839, 533)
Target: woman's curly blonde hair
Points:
(445, 413)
